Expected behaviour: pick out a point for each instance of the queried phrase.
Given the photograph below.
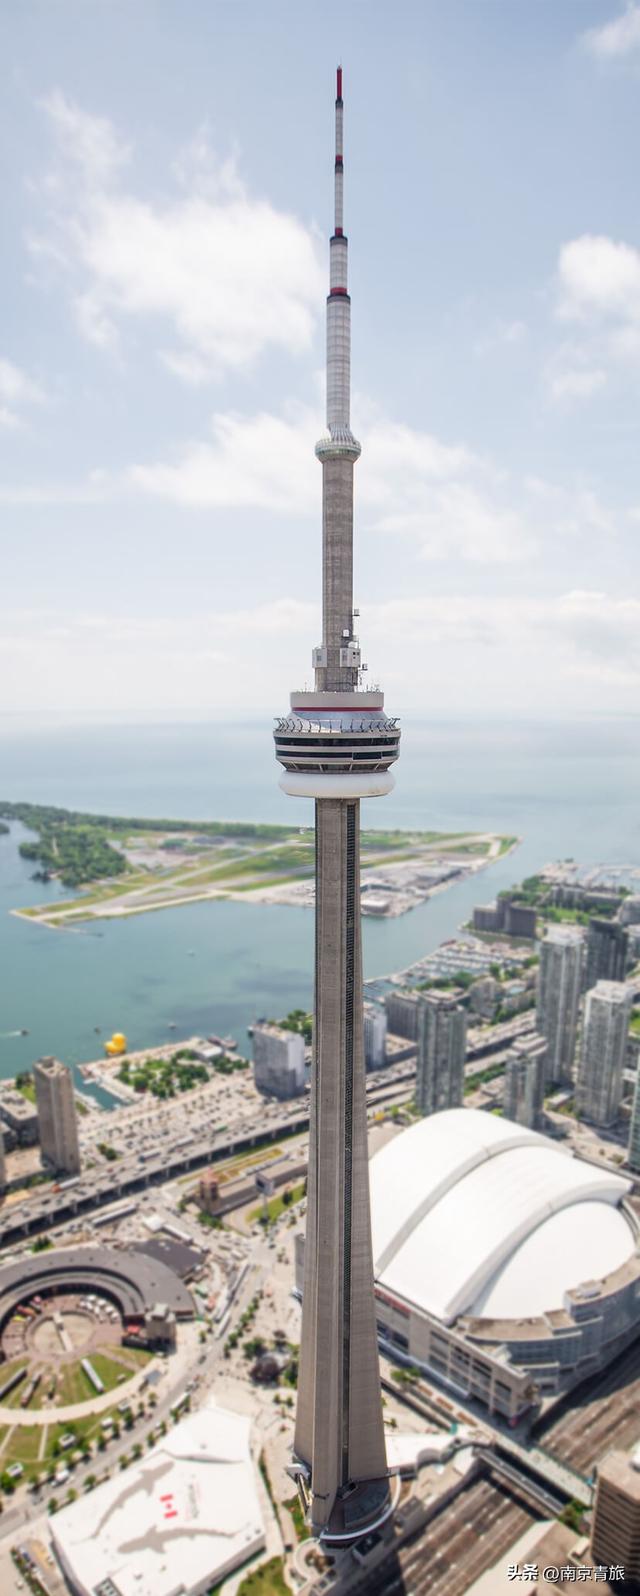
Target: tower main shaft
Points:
(336, 746)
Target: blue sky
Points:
(167, 174)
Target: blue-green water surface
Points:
(566, 789)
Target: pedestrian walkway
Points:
(550, 1468)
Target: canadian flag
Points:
(170, 1511)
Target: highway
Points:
(154, 1146)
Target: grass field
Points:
(268, 1580)
(73, 1385)
(134, 1357)
(25, 1441)
(112, 1372)
(276, 1205)
(23, 1445)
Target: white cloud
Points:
(89, 143)
(97, 663)
(599, 276)
(598, 281)
(263, 462)
(529, 650)
(92, 489)
(16, 391)
(443, 496)
(605, 632)
(509, 333)
(570, 379)
(620, 37)
(519, 651)
(222, 270)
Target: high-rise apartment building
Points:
(607, 950)
(442, 1037)
(558, 998)
(504, 914)
(336, 745)
(402, 1014)
(524, 1079)
(629, 912)
(375, 1036)
(57, 1118)
(633, 1152)
(278, 1061)
(483, 996)
(600, 1074)
(615, 1530)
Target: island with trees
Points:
(117, 865)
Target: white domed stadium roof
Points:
(472, 1214)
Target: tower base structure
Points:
(357, 1510)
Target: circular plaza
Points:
(75, 1324)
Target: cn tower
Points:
(336, 746)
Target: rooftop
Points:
(179, 1520)
(474, 1215)
(621, 1470)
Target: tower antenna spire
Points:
(339, 169)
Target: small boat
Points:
(23, 1032)
(172, 1026)
(97, 1029)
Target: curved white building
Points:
(175, 1523)
(502, 1262)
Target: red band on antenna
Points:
(339, 83)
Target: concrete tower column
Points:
(339, 1413)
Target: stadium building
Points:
(504, 1266)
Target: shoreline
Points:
(299, 891)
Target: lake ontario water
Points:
(567, 789)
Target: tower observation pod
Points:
(337, 746)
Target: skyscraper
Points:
(57, 1121)
(629, 911)
(558, 997)
(524, 1080)
(615, 1528)
(336, 746)
(278, 1061)
(442, 1038)
(401, 1009)
(375, 1036)
(607, 944)
(600, 1076)
(633, 1150)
